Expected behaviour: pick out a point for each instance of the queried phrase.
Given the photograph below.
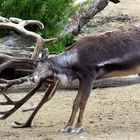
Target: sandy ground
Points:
(111, 113)
(113, 16)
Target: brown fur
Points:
(110, 54)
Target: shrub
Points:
(61, 44)
(52, 13)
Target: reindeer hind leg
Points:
(79, 103)
(79, 128)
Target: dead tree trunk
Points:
(84, 14)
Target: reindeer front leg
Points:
(85, 87)
(82, 106)
(47, 96)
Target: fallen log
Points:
(111, 82)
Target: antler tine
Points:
(15, 20)
(51, 40)
(26, 22)
(3, 81)
(3, 19)
(9, 83)
(8, 101)
(6, 114)
(17, 104)
(35, 22)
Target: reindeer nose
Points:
(36, 78)
(31, 79)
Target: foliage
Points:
(52, 13)
(61, 44)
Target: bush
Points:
(61, 44)
(52, 13)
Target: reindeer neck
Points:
(64, 60)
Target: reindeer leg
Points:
(80, 102)
(47, 96)
(68, 128)
(83, 102)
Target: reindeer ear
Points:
(44, 54)
(35, 63)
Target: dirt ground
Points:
(111, 113)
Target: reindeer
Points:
(110, 54)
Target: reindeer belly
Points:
(63, 79)
(119, 71)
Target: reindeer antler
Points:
(8, 61)
(18, 25)
(17, 104)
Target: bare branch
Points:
(19, 26)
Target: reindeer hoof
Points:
(67, 129)
(78, 130)
(70, 129)
(20, 125)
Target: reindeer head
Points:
(42, 71)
